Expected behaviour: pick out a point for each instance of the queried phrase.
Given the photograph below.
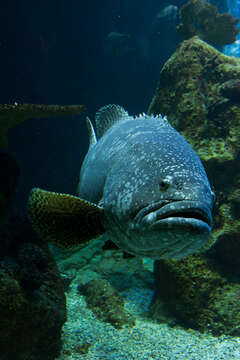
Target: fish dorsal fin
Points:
(109, 115)
(91, 132)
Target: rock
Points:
(32, 301)
(198, 17)
(191, 93)
(197, 295)
(231, 90)
(198, 91)
(106, 303)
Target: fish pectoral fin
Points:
(63, 219)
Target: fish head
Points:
(160, 206)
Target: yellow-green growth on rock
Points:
(11, 115)
(199, 17)
(189, 94)
(199, 90)
(198, 295)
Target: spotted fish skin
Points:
(151, 184)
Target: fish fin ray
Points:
(91, 132)
(109, 115)
(63, 219)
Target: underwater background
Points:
(58, 54)
(95, 53)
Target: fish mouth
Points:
(176, 214)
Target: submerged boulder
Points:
(199, 17)
(106, 303)
(191, 93)
(197, 295)
(199, 91)
(32, 301)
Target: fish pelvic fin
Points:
(109, 115)
(65, 220)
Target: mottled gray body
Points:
(152, 186)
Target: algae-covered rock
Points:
(198, 90)
(199, 17)
(106, 303)
(197, 295)
(32, 301)
(11, 115)
(190, 94)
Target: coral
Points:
(106, 303)
(32, 301)
(198, 295)
(199, 17)
(11, 115)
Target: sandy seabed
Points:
(85, 337)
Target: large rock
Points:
(199, 17)
(198, 295)
(32, 301)
(199, 92)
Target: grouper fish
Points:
(141, 183)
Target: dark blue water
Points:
(58, 52)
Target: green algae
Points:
(13, 114)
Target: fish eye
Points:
(164, 185)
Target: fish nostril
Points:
(179, 186)
(165, 183)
